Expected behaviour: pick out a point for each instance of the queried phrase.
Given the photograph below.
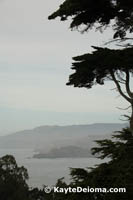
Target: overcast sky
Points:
(35, 62)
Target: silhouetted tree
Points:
(95, 68)
(116, 173)
(98, 13)
(13, 184)
(103, 63)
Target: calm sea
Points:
(47, 171)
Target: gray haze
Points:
(45, 138)
(35, 61)
(61, 142)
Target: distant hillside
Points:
(48, 137)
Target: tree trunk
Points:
(131, 120)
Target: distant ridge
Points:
(53, 136)
(59, 127)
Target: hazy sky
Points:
(35, 61)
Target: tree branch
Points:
(124, 108)
(119, 87)
(127, 84)
(118, 39)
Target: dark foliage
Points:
(95, 68)
(102, 64)
(13, 184)
(116, 173)
(117, 13)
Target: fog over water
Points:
(45, 171)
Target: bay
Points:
(47, 171)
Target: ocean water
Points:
(47, 171)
